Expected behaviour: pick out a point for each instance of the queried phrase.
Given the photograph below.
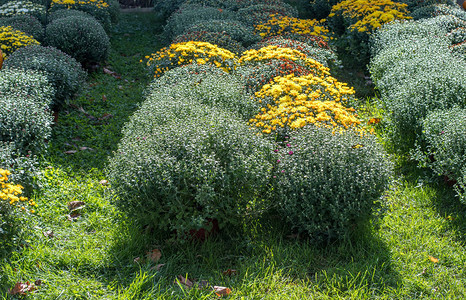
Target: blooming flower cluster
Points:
(292, 102)
(71, 3)
(279, 25)
(11, 40)
(272, 52)
(370, 14)
(190, 52)
(10, 193)
(13, 8)
(220, 39)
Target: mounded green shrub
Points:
(181, 163)
(23, 167)
(25, 122)
(260, 13)
(30, 84)
(65, 13)
(102, 14)
(82, 38)
(234, 5)
(209, 86)
(327, 184)
(444, 133)
(63, 72)
(237, 30)
(188, 15)
(415, 74)
(25, 23)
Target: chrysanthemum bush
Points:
(328, 183)
(443, 132)
(209, 85)
(321, 54)
(235, 29)
(188, 15)
(65, 13)
(256, 76)
(219, 39)
(260, 13)
(291, 103)
(272, 52)
(410, 70)
(181, 163)
(81, 37)
(23, 7)
(186, 53)
(25, 122)
(30, 84)
(25, 23)
(99, 9)
(352, 22)
(12, 39)
(433, 10)
(278, 25)
(63, 72)
(414, 4)
(11, 195)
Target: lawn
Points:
(413, 248)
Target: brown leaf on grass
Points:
(184, 281)
(75, 205)
(38, 282)
(137, 259)
(73, 216)
(49, 234)
(433, 259)
(229, 272)
(110, 72)
(221, 291)
(103, 182)
(86, 148)
(21, 288)
(154, 255)
(104, 98)
(71, 151)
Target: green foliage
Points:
(327, 184)
(63, 72)
(65, 13)
(80, 37)
(235, 29)
(166, 7)
(444, 134)
(31, 84)
(235, 5)
(23, 7)
(25, 122)
(188, 15)
(416, 4)
(100, 13)
(114, 10)
(259, 13)
(182, 160)
(25, 23)
(320, 9)
(415, 77)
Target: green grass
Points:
(93, 256)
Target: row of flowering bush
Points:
(224, 136)
(37, 79)
(420, 74)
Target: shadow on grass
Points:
(263, 254)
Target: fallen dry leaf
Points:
(71, 151)
(86, 148)
(229, 272)
(137, 259)
(104, 98)
(106, 116)
(21, 288)
(38, 282)
(49, 234)
(73, 216)
(75, 205)
(184, 281)
(433, 259)
(154, 255)
(103, 182)
(221, 291)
